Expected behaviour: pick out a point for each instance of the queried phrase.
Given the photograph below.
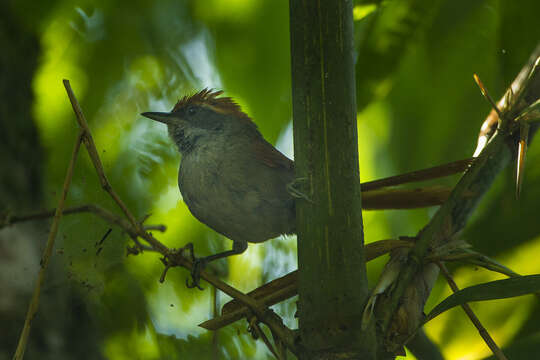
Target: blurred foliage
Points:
(418, 107)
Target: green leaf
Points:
(500, 289)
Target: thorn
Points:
(522, 152)
(368, 311)
(485, 93)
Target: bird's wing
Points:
(270, 156)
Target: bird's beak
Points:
(164, 117)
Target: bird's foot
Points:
(292, 188)
(198, 264)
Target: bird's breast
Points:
(244, 203)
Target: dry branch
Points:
(90, 208)
(474, 319)
(34, 303)
(286, 287)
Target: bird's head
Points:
(204, 117)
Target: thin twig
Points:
(474, 319)
(215, 312)
(257, 332)
(92, 151)
(491, 264)
(474, 258)
(492, 267)
(34, 303)
(281, 349)
(91, 208)
(160, 228)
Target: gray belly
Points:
(241, 214)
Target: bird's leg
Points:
(292, 188)
(200, 263)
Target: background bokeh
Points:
(417, 107)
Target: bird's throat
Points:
(184, 143)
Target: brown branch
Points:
(286, 287)
(389, 198)
(474, 319)
(376, 194)
(419, 175)
(256, 332)
(34, 303)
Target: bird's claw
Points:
(292, 188)
(198, 264)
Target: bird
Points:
(235, 181)
(230, 177)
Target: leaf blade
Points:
(493, 290)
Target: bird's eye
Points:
(192, 110)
